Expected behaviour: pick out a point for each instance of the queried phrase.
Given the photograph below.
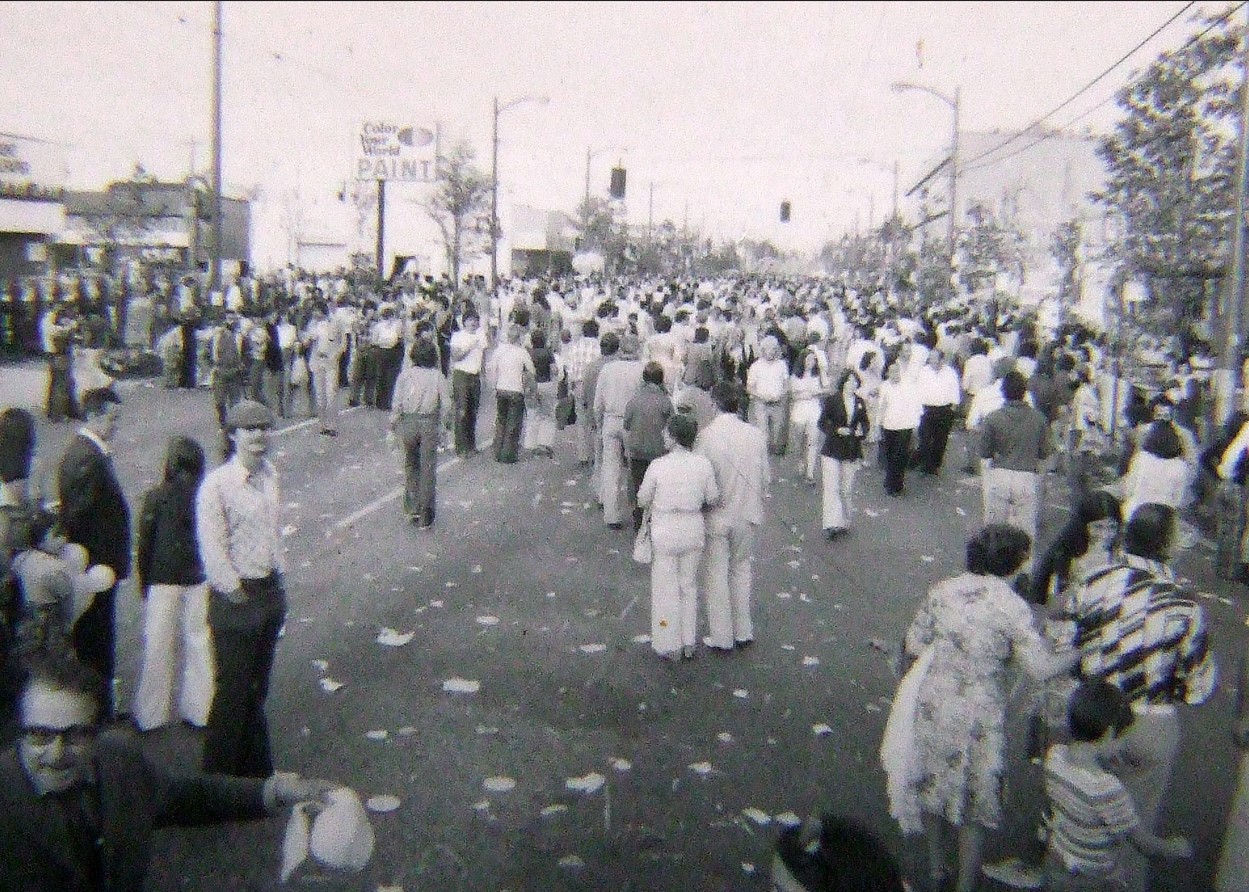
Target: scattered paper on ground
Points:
(379, 734)
(499, 784)
(810, 661)
(382, 804)
(553, 810)
(393, 638)
(821, 729)
(788, 819)
(795, 564)
(481, 805)
(476, 568)
(488, 620)
(927, 558)
(870, 513)
(571, 861)
(741, 693)
(289, 530)
(759, 816)
(406, 731)
(701, 768)
(961, 512)
(748, 867)
(784, 596)
(724, 737)
(461, 686)
(621, 764)
(329, 685)
(592, 648)
(641, 639)
(588, 784)
(320, 665)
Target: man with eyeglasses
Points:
(79, 804)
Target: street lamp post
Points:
(955, 103)
(494, 180)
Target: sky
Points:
(727, 108)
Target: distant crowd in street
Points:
(682, 400)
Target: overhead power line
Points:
(1078, 93)
(1067, 125)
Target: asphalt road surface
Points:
(582, 761)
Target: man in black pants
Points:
(242, 558)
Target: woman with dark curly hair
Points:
(977, 628)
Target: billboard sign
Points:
(396, 152)
(31, 169)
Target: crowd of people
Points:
(683, 397)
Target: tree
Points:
(988, 248)
(460, 201)
(1171, 170)
(123, 217)
(1065, 249)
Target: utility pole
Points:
(381, 229)
(214, 281)
(494, 201)
(585, 207)
(895, 190)
(1234, 311)
(953, 235)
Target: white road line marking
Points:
(308, 422)
(628, 607)
(383, 500)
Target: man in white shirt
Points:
(236, 511)
(616, 384)
(387, 337)
(738, 453)
(508, 366)
(468, 350)
(767, 383)
(326, 346)
(937, 384)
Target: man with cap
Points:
(617, 382)
(241, 550)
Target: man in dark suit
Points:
(94, 514)
(79, 805)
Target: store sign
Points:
(396, 152)
(31, 169)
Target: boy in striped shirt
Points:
(1091, 813)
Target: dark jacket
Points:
(168, 550)
(94, 512)
(843, 447)
(135, 798)
(646, 415)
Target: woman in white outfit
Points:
(676, 490)
(1158, 472)
(805, 390)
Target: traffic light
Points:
(617, 182)
(784, 211)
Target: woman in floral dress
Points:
(978, 629)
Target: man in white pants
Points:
(327, 343)
(739, 454)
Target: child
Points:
(47, 584)
(1091, 813)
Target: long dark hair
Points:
(184, 463)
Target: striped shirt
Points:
(1091, 813)
(1136, 628)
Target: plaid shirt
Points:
(1136, 628)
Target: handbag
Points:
(643, 548)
